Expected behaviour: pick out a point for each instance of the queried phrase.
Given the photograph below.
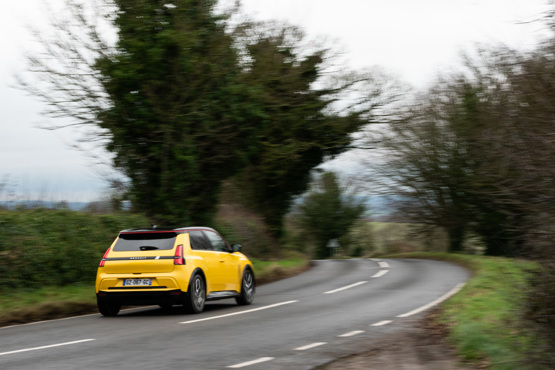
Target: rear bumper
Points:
(139, 298)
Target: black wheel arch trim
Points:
(248, 267)
(197, 271)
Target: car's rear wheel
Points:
(197, 295)
(247, 288)
(108, 308)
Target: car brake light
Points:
(178, 258)
(103, 260)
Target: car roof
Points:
(165, 229)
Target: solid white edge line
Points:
(444, 297)
(45, 347)
(249, 363)
(345, 287)
(310, 346)
(238, 313)
(70, 318)
(382, 323)
(47, 321)
(380, 273)
(351, 333)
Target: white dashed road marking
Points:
(345, 287)
(380, 273)
(310, 346)
(45, 347)
(383, 265)
(382, 323)
(351, 333)
(249, 363)
(238, 313)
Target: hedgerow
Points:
(43, 247)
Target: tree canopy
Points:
(184, 101)
(297, 130)
(179, 120)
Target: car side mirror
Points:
(236, 247)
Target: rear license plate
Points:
(133, 282)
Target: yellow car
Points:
(187, 266)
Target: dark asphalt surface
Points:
(296, 323)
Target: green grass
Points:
(264, 267)
(485, 319)
(46, 303)
(16, 301)
(268, 271)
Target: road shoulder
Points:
(423, 346)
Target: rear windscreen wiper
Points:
(148, 248)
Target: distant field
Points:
(403, 237)
(373, 238)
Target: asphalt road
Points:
(296, 323)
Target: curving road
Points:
(298, 323)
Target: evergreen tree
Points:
(327, 212)
(179, 118)
(297, 130)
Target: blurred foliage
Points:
(188, 97)
(399, 237)
(239, 224)
(540, 307)
(328, 212)
(180, 119)
(473, 154)
(45, 247)
(298, 129)
(360, 240)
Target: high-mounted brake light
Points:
(103, 260)
(178, 258)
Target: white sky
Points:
(413, 39)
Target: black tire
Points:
(196, 297)
(248, 288)
(108, 308)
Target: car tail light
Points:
(103, 260)
(178, 258)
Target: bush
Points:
(41, 247)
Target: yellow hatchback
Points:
(186, 266)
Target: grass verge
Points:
(57, 302)
(46, 303)
(485, 320)
(268, 271)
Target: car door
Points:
(227, 271)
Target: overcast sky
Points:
(413, 39)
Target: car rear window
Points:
(145, 242)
